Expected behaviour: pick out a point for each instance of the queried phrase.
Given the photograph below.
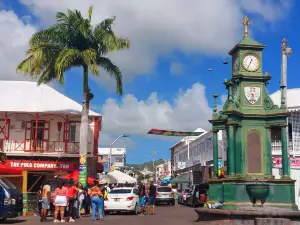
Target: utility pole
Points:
(154, 172)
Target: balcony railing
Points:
(31, 146)
(294, 148)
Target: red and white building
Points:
(39, 128)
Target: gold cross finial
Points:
(246, 22)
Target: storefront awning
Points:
(180, 179)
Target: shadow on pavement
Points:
(10, 221)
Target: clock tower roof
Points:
(247, 42)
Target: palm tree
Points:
(74, 42)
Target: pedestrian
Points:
(39, 201)
(107, 187)
(46, 195)
(104, 193)
(142, 203)
(87, 200)
(80, 199)
(152, 198)
(72, 192)
(60, 202)
(95, 194)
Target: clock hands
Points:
(249, 63)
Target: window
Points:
(72, 136)
(136, 192)
(120, 191)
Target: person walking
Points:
(152, 198)
(72, 192)
(95, 194)
(80, 198)
(104, 194)
(39, 201)
(60, 202)
(46, 195)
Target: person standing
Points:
(104, 194)
(46, 195)
(39, 201)
(60, 202)
(72, 191)
(152, 198)
(80, 199)
(95, 194)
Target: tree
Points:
(74, 42)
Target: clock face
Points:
(236, 64)
(251, 62)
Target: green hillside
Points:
(149, 165)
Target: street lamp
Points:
(110, 149)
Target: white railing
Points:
(44, 147)
(277, 148)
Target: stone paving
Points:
(174, 215)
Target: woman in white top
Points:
(80, 199)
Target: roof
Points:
(293, 103)
(26, 96)
(248, 42)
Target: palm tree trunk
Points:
(84, 127)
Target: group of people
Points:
(69, 198)
(147, 198)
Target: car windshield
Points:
(7, 184)
(120, 191)
(164, 189)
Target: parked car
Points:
(11, 200)
(197, 195)
(165, 195)
(122, 200)
(182, 196)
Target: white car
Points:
(123, 200)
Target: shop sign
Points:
(181, 165)
(294, 162)
(40, 165)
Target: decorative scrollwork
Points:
(268, 104)
(238, 102)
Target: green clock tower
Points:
(247, 117)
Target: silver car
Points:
(165, 195)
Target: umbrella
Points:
(108, 179)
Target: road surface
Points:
(174, 215)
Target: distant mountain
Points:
(149, 165)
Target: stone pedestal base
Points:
(235, 195)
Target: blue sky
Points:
(166, 80)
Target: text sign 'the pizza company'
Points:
(40, 165)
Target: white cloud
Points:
(188, 111)
(176, 68)
(158, 27)
(13, 44)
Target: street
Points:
(175, 215)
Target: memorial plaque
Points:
(254, 152)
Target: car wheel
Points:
(136, 210)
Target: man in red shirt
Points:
(72, 192)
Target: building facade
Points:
(293, 106)
(118, 157)
(163, 170)
(40, 130)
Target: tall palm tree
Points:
(74, 42)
